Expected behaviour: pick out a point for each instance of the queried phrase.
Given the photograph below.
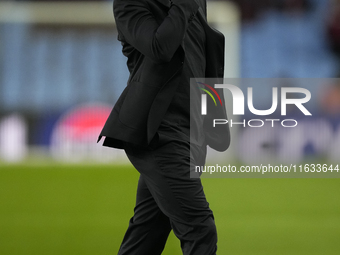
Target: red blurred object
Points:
(333, 27)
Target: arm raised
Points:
(138, 27)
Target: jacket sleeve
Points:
(138, 27)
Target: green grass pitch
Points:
(84, 209)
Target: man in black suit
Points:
(166, 43)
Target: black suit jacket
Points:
(154, 33)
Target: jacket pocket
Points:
(135, 109)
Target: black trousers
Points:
(167, 198)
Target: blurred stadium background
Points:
(61, 70)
